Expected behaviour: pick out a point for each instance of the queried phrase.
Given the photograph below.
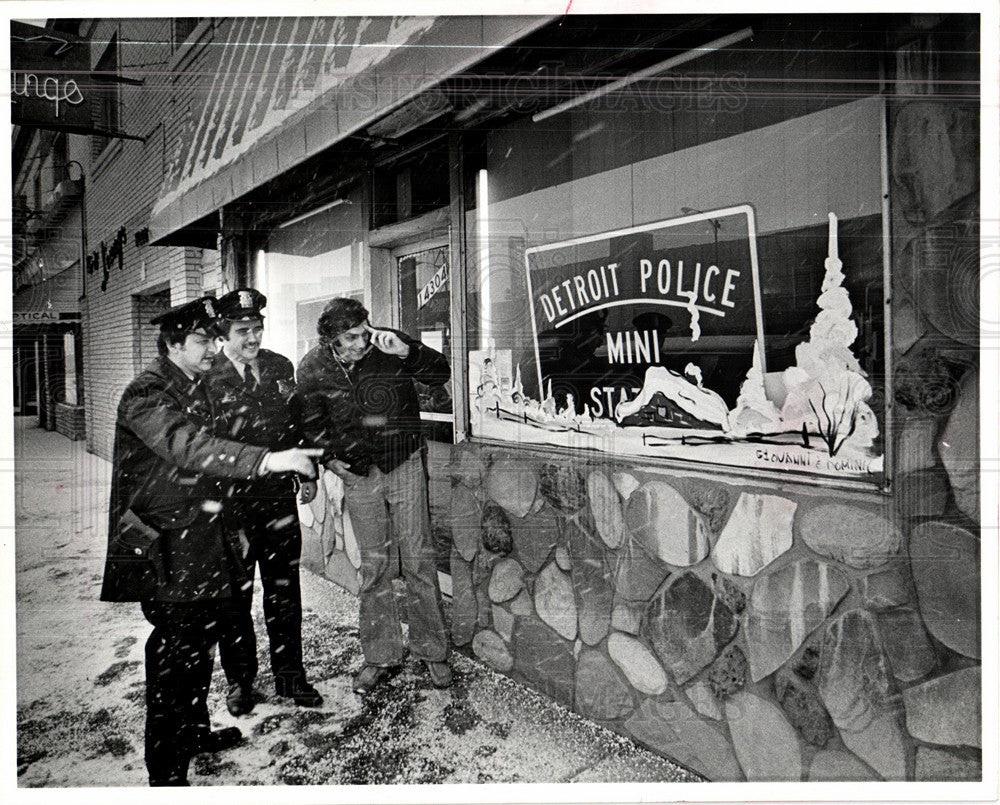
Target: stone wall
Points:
(936, 329)
(749, 633)
(328, 544)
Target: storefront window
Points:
(720, 302)
(307, 262)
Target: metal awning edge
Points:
(229, 181)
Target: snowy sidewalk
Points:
(80, 678)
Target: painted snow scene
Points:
(813, 416)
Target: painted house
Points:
(707, 467)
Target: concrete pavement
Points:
(80, 693)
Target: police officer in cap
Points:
(166, 545)
(251, 388)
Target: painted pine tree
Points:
(827, 390)
(754, 412)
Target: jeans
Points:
(389, 513)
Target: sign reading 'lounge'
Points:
(46, 69)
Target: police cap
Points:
(199, 314)
(243, 303)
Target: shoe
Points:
(440, 673)
(215, 740)
(304, 694)
(371, 676)
(239, 700)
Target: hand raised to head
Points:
(388, 342)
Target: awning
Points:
(284, 89)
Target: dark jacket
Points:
(165, 465)
(368, 415)
(261, 417)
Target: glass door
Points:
(423, 278)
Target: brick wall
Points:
(124, 181)
(70, 421)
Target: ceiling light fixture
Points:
(648, 72)
(299, 218)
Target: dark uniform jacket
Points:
(368, 415)
(164, 538)
(261, 417)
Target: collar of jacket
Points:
(345, 367)
(224, 366)
(170, 371)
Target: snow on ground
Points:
(80, 708)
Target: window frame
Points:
(409, 249)
(879, 484)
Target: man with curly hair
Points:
(356, 390)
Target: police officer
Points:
(251, 388)
(166, 546)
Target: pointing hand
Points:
(297, 459)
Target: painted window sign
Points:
(425, 312)
(606, 308)
(650, 341)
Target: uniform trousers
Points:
(271, 525)
(389, 514)
(179, 662)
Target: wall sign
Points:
(650, 342)
(435, 284)
(35, 316)
(47, 69)
(107, 256)
(679, 294)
